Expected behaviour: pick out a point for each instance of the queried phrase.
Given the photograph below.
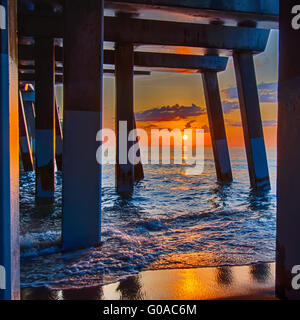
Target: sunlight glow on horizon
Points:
(169, 89)
(185, 137)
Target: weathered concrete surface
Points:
(82, 120)
(288, 180)
(144, 59)
(251, 120)
(25, 145)
(9, 152)
(139, 31)
(125, 113)
(44, 125)
(217, 127)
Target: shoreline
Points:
(248, 282)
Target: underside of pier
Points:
(75, 43)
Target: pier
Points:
(49, 42)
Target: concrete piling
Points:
(124, 62)
(82, 120)
(217, 127)
(25, 146)
(58, 140)
(44, 121)
(288, 179)
(251, 119)
(29, 110)
(138, 168)
(9, 153)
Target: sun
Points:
(185, 137)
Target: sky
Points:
(174, 100)
(169, 100)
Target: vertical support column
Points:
(9, 153)
(138, 168)
(58, 141)
(44, 125)
(288, 179)
(217, 127)
(83, 75)
(25, 147)
(251, 118)
(124, 62)
(28, 103)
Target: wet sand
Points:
(253, 282)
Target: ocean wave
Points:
(181, 222)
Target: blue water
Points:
(172, 221)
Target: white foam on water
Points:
(171, 221)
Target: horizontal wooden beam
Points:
(149, 59)
(31, 68)
(255, 7)
(41, 5)
(41, 25)
(259, 8)
(173, 61)
(25, 70)
(139, 31)
(136, 72)
(153, 32)
(30, 77)
(26, 52)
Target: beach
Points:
(253, 282)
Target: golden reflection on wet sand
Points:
(246, 282)
(238, 282)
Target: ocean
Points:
(171, 221)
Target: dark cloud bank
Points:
(168, 113)
(267, 94)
